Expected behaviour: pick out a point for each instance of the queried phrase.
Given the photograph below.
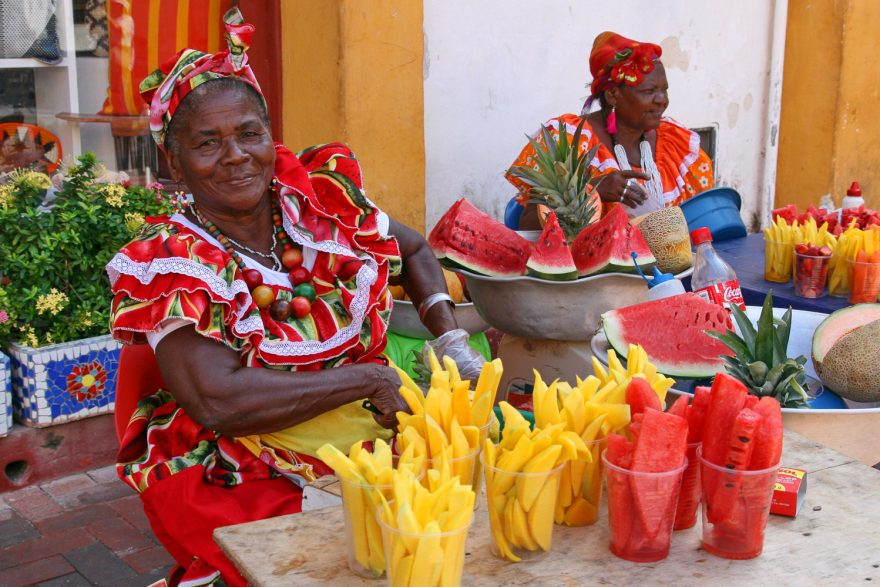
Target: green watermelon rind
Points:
(550, 273)
(451, 261)
(683, 369)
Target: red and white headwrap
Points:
(616, 60)
(165, 88)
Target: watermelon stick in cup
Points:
(742, 445)
(689, 495)
(643, 479)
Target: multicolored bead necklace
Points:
(292, 259)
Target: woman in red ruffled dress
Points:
(648, 161)
(266, 304)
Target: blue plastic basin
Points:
(718, 210)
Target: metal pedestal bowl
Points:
(405, 320)
(553, 310)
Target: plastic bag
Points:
(454, 344)
(29, 29)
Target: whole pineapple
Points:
(562, 179)
(761, 361)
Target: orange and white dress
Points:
(685, 169)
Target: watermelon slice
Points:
(726, 401)
(620, 503)
(697, 413)
(661, 447)
(551, 257)
(641, 396)
(469, 238)
(680, 408)
(683, 350)
(608, 245)
(768, 438)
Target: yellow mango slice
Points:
(540, 515)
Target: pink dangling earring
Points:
(611, 122)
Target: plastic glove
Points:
(454, 344)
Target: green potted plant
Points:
(54, 292)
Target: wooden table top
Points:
(834, 539)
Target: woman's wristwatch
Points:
(430, 301)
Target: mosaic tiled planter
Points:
(63, 382)
(5, 395)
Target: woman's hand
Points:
(386, 397)
(621, 186)
(454, 344)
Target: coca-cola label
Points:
(723, 294)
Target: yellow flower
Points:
(31, 179)
(6, 198)
(86, 319)
(29, 337)
(113, 193)
(133, 221)
(53, 302)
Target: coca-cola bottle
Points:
(713, 279)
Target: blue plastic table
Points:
(746, 256)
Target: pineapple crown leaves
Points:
(562, 178)
(761, 360)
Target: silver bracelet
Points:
(432, 299)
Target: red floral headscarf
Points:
(165, 88)
(616, 60)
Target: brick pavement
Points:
(83, 529)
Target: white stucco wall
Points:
(496, 69)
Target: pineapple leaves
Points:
(559, 176)
(765, 338)
(747, 331)
(731, 341)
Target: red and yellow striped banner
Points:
(144, 33)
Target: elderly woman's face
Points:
(224, 152)
(643, 105)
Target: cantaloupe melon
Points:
(845, 349)
(666, 233)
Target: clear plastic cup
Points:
(464, 466)
(641, 510)
(521, 511)
(424, 558)
(689, 495)
(864, 282)
(736, 505)
(467, 467)
(778, 257)
(580, 489)
(810, 275)
(363, 538)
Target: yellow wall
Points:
(353, 73)
(829, 130)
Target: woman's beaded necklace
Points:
(300, 277)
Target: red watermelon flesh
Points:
(607, 246)
(672, 332)
(680, 408)
(724, 506)
(661, 447)
(621, 509)
(768, 438)
(468, 237)
(551, 257)
(641, 396)
(635, 425)
(751, 402)
(727, 399)
(697, 413)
